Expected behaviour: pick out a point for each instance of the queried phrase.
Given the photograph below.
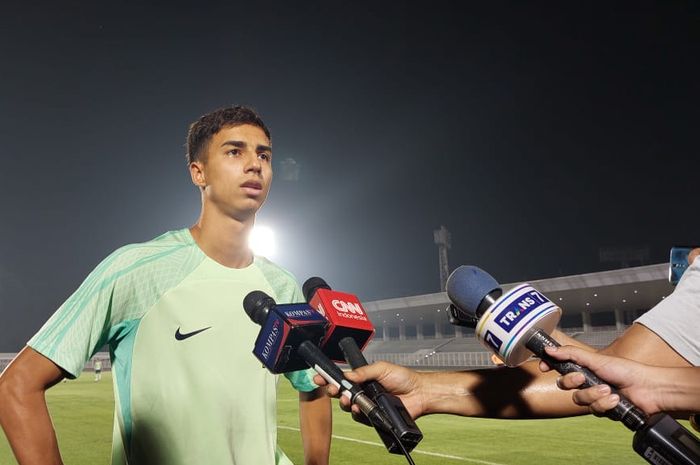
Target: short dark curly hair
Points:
(202, 130)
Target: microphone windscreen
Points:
(468, 285)
(311, 285)
(256, 305)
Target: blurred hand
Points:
(693, 255)
(634, 380)
(406, 384)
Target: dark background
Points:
(536, 132)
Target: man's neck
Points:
(224, 239)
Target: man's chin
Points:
(245, 212)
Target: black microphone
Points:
(286, 330)
(349, 328)
(517, 323)
(283, 328)
(405, 428)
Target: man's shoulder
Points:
(171, 245)
(166, 241)
(282, 281)
(272, 268)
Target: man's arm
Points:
(23, 412)
(522, 392)
(315, 421)
(641, 344)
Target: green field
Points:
(82, 413)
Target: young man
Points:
(171, 312)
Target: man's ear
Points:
(197, 174)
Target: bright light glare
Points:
(262, 241)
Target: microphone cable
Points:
(403, 449)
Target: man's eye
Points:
(233, 152)
(264, 156)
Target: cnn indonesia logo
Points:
(351, 310)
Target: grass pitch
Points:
(82, 411)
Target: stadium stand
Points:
(464, 352)
(5, 359)
(599, 337)
(413, 330)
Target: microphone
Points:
(344, 313)
(283, 328)
(349, 329)
(290, 334)
(517, 323)
(405, 428)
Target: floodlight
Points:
(262, 241)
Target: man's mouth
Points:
(252, 187)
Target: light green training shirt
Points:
(188, 389)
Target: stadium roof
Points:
(626, 289)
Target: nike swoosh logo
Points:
(181, 337)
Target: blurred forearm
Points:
(25, 419)
(23, 412)
(315, 421)
(522, 392)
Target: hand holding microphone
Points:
(408, 385)
(654, 389)
(350, 329)
(517, 323)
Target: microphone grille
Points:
(256, 305)
(311, 285)
(468, 285)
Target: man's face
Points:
(237, 170)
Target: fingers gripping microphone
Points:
(288, 341)
(517, 323)
(405, 428)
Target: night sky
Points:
(536, 132)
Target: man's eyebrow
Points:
(241, 145)
(236, 143)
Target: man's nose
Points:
(254, 163)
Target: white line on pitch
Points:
(434, 454)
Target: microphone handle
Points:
(406, 433)
(625, 411)
(325, 367)
(355, 358)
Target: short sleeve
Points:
(302, 380)
(676, 319)
(80, 326)
(119, 289)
